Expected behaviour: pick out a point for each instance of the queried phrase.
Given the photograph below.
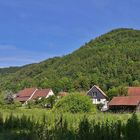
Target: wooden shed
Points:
(125, 103)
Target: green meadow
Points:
(43, 124)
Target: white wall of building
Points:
(50, 93)
(102, 101)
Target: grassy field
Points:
(41, 124)
(38, 114)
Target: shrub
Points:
(30, 104)
(74, 103)
(17, 104)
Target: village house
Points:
(131, 102)
(97, 95)
(28, 94)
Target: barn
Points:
(125, 103)
(131, 102)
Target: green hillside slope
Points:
(112, 59)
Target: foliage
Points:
(17, 104)
(74, 103)
(30, 104)
(46, 102)
(51, 100)
(26, 128)
(2, 96)
(117, 91)
(132, 128)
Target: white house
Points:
(97, 95)
(28, 94)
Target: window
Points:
(98, 100)
(94, 94)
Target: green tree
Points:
(74, 103)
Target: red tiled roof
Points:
(25, 94)
(41, 93)
(134, 91)
(125, 100)
(22, 99)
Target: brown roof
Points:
(25, 94)
(22, 99)
(125, 100)
(41, 93)
(134, 91)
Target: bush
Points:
(45, 102)
(17, 104)
(30, 104)
(74, 103)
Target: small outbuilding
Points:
(131, 102)
(125, 103)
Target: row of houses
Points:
(28, 94)
(129, 102)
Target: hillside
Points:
(113, 59)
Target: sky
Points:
(35, 30)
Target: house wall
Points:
(97, 96)
(97, 101)
(50, 93)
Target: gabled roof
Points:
(22, 99)
(99, 90)
(41, 93)
(31, 93)
(134, 91)
(27, 92)
(125, 100)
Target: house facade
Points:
(28, 94)
(97, 95)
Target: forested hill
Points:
(112, 59)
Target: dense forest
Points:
(110, 61)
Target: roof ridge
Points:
(100, 90)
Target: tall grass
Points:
(68, 127)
